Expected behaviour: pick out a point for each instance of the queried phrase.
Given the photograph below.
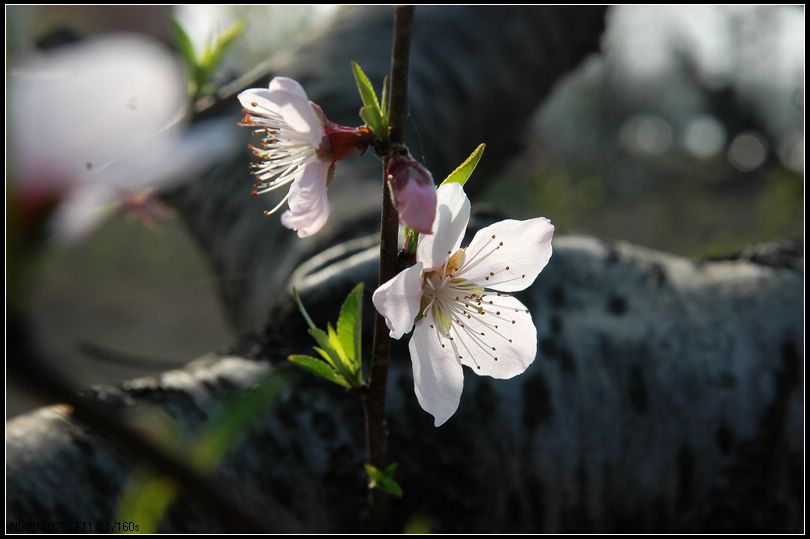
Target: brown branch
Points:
(374, 405)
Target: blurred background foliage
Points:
(686, 135)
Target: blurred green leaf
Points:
(234, 421)
(383, 480)
(221, 43)
(201, 67)
(184, 45)
(465, 169)
(420, 524)
(147, 496)
(212, 56)
(145, 499)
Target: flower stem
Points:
(374, 405)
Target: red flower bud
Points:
(414, 193)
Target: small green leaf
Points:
(373, 119)
(365, 88)
(334, 340)
(465, 169)
(341, 353)
(318, 368)
(391, 470)
(382, 481)
(385, 105)
(325, 348)
(350, 325)
(411, 240)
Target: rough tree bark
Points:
(666, 394)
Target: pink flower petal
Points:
(309, 206)
(452, 216)
(398, 300)
(437, 374)
(508, 255)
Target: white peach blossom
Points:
(459, 301)
(299, 146)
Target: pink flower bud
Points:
(414, 193)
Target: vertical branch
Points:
(374, 405)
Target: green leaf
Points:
(147, 496)
(385, 105)
(145, 499)
(325, 347)
(411, 240)
(221, 43)
(383, 481)
(465, 169)
(365, 88)
(344, 363)
(184, 44)
(233, 422)
(373, 119)
(319, 368)
(189, 57)
(340, 352)
(350, 325)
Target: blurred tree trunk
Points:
(666, 396)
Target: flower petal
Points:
(286, 98)
(452, 216)
(416, 204)
(82, 211)
(437, 375)
(502, 342)
(286, 84)
(508, 255)
(82, 106)
(309, 206)
(398, 300)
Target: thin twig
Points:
(374, 405)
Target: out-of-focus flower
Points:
(100, 120)
(299, 146)
(414, 193)
(460, 304)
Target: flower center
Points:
(445, 296)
